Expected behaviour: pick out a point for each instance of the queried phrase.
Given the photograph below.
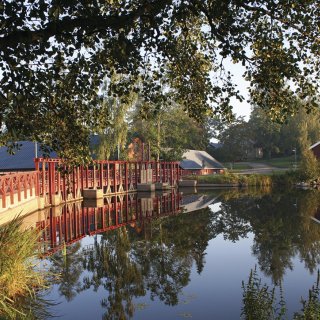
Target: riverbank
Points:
(239, 180)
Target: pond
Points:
(178, 256)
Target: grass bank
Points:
(233, 178)
(282, 162)
(260, 180)
(237, 166)
(20, 277)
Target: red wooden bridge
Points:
(53, 182)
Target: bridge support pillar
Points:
(146, 187)
(92, 193)
(162, 186)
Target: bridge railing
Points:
(16, 188)
(57, 178)
(54, 178)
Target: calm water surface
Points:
(178, 256)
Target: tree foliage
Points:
(237, 141)
(114, 135)
(310, 167)
(168, 129)
(55, 54)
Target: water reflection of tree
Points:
(68, 263)
(155, 257)
(281, 225)
(158, 260)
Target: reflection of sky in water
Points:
(214, 294)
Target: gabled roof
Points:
(314, 145)
(195, 202)
(22, 159)
(196, 159)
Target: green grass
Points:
(236, 166)
(283, 162)
(233, 178)
(279, 178)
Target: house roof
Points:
(22, 159)
(195, 202)
(314, 145)
(196, 159)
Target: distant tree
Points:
(291, 135)
(169, 130)
(272, 137)
(236, 141)
(113, 135)
(264, 132)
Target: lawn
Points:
(233, 178)
(236, 166)
(283, 162)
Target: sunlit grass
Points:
(234, 179)
(282, 162)
(20, 275)
(237, 166)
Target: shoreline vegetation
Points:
(21, 278)
(259, 301)
(287, 178)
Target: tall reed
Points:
(20, 277)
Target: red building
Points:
(315, 148)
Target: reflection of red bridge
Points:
(53, 182)
(73, 221)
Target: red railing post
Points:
(94, 176)
(74, 185)
(87, 177)
(157, 171)
(3, 191)
(136, 174)
(11, 191)
(58, 178)
(81, 177)
(101, 175)
(30, 179)
(120, 175)
(126, 176)
(78, 182)
(37, 167)
(51, 180)
(44, 182)
(114, 177)
(108, 175)
(19, 188)
(64, 184)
